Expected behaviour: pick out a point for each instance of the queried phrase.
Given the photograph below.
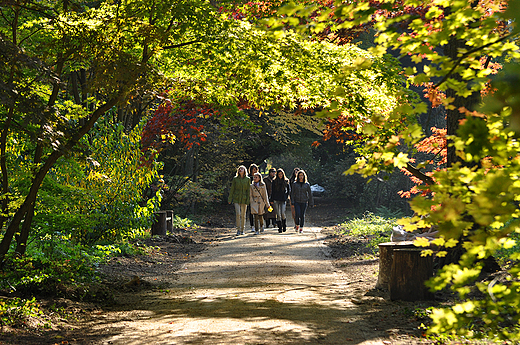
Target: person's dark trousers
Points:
(299, 211)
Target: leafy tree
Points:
(67, 64)
(473, 202)
(98, 197)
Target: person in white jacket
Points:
(259, 201)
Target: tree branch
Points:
(419, 174)
(181, 44)
(466, 54)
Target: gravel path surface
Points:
(252, 289)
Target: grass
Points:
(376, 228)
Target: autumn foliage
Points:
(176, 123)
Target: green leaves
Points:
(473, 202)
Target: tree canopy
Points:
(66, 65)
(473, 201)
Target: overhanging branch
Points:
(181, 44)
(466, 54)
(419, 174)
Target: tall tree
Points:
(474, 201)
(67, 64)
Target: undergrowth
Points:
(57, 266)
(15, 312)
(374, 227)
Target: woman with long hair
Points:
(239, 195)
(291, 181)
(301, 195)
(280, 191)
(259, 201)
(268, 180)
(253, 169)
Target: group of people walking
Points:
(269, 195)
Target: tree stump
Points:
(386, 253)
(159, 225)
(409, 272)
(169, 221)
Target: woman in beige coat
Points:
(259, 201)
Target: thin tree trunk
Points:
(3, 167)
(454, 116)
(28, 204)
(21, 240)
(23, 236)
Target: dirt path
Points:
(252, 289)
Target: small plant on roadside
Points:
(376, 229)
(15, 311)
(182, 223)
(389, 213)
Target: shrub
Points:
(377, 229)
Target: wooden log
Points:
(386, 253)
(169, 221)
(159, 225)
(409, 272)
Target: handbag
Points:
(270, 208)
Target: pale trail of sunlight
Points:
(253, 290)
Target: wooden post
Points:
(159, 226)
(386, 254)
(409, 272)
(169, 221)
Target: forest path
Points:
(252, 289)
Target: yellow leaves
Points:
(446, 315)
(433, 12)
(421, 242)
(369, 129)
(438, 241)
(452, 208)
(507, 243)
(451, 243)
(466, 307)
(94, 175)
(401, 160)
(462, 276)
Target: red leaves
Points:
(179, 123)
(338, 128)
(436, 144)
(435, 95)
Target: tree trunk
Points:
(454, 116)
(409, 272)
(159, 226)
(21, 239)
(386, 258)
(3, 167)
(30, 199)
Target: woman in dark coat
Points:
(301, 195)
(281, 190)
(291, 181)
(268, 180)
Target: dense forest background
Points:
(113, 110)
